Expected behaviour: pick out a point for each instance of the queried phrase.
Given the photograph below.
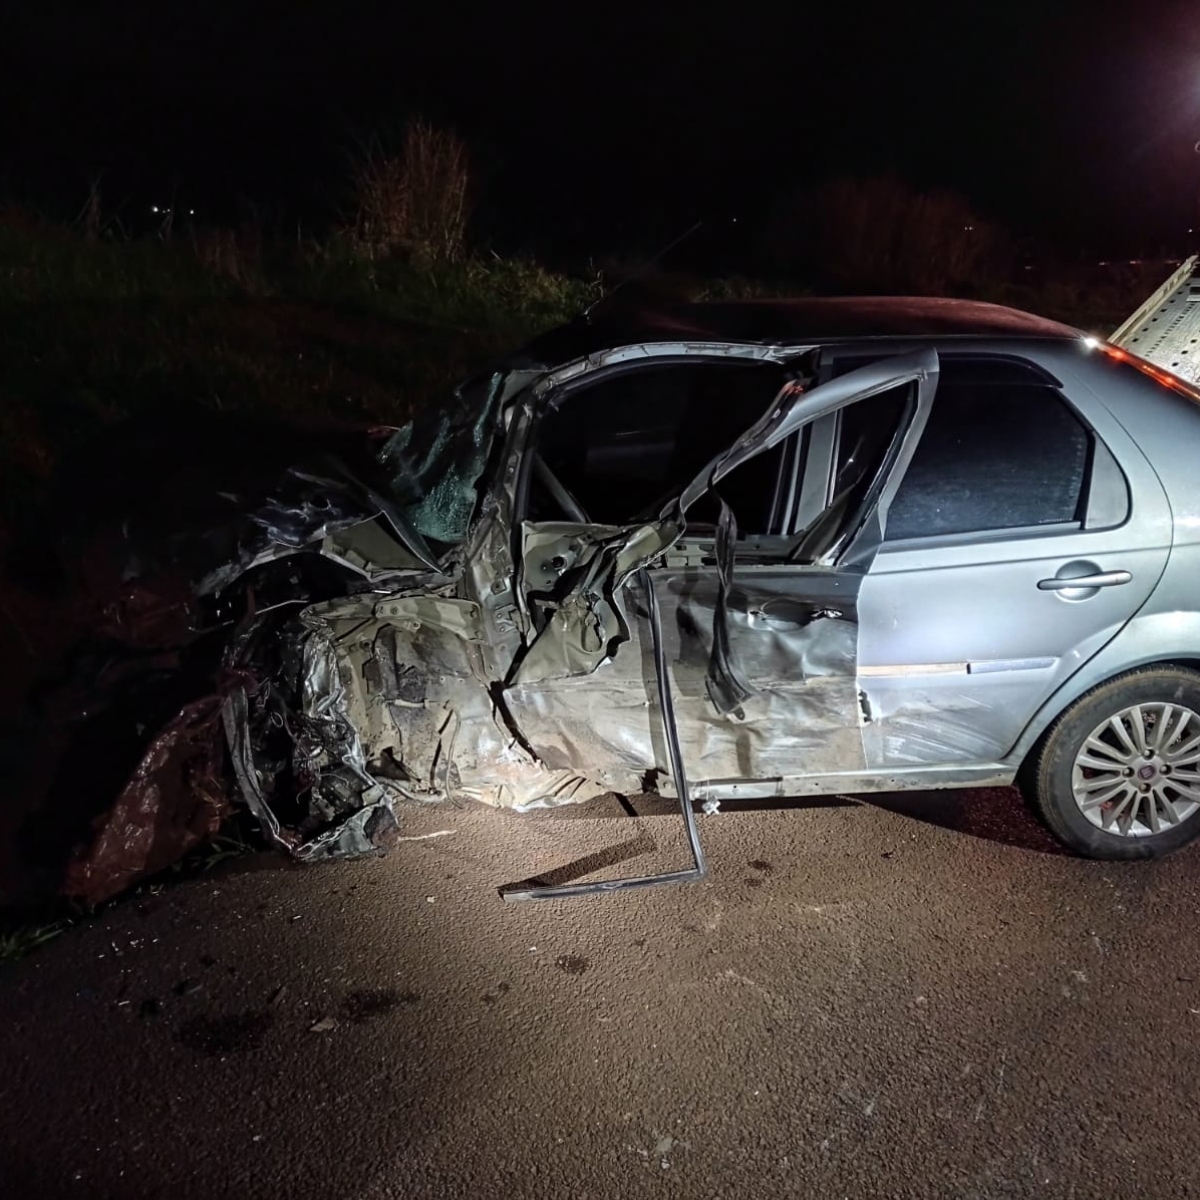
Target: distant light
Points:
(191, 212)
(154, 208)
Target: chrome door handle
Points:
(1102, 579)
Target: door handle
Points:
(1099, 580)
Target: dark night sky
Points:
(1065, 120)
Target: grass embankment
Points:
(93, 331)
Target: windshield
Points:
(435, 461)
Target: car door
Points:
(1028, 530)
(760, 631)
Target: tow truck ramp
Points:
(1165, 330)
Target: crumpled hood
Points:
(150, 543)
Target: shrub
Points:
(881, 235)
(413, 203)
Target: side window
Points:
(623, 446)
(1002, 450)
(866, 430)
(860, 442)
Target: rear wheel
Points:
(1118, 775)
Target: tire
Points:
(1118, 774)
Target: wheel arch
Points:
(1079, 685)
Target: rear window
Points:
(1002, 450)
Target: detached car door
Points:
(1027, 531)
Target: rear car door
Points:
(780, 700)
(1027, 531)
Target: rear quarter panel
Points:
(1165, 427)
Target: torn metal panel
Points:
(746, 708)
(804, 703)
(389, 703)
(799, 654)
(574, 576)
(235, 717)
(307, 508)
(214, 540)
(607, 731)
(793, 634)
(723, 681)
(305, 743)
(491, 555)
(454, 650)
(206, 497)
(675, 757)
(462, 618)
(371, 551)
(604, 725)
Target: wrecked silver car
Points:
(724, 551)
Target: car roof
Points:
(814, 318)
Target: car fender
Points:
(1149, 638)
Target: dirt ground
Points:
(858, 1002)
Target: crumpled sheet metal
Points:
(934, 720)
(389, 707)
(585, 594)
(233, 495)
(804, 708)
(308, 508)
(173, 802)
(234, 716)
(398, 693)
(779, 635)
(236, 492)
(393, 705)
(445, 730)
(355, 809)
(335, 761)
(604, 726)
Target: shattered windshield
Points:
(436, 460)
